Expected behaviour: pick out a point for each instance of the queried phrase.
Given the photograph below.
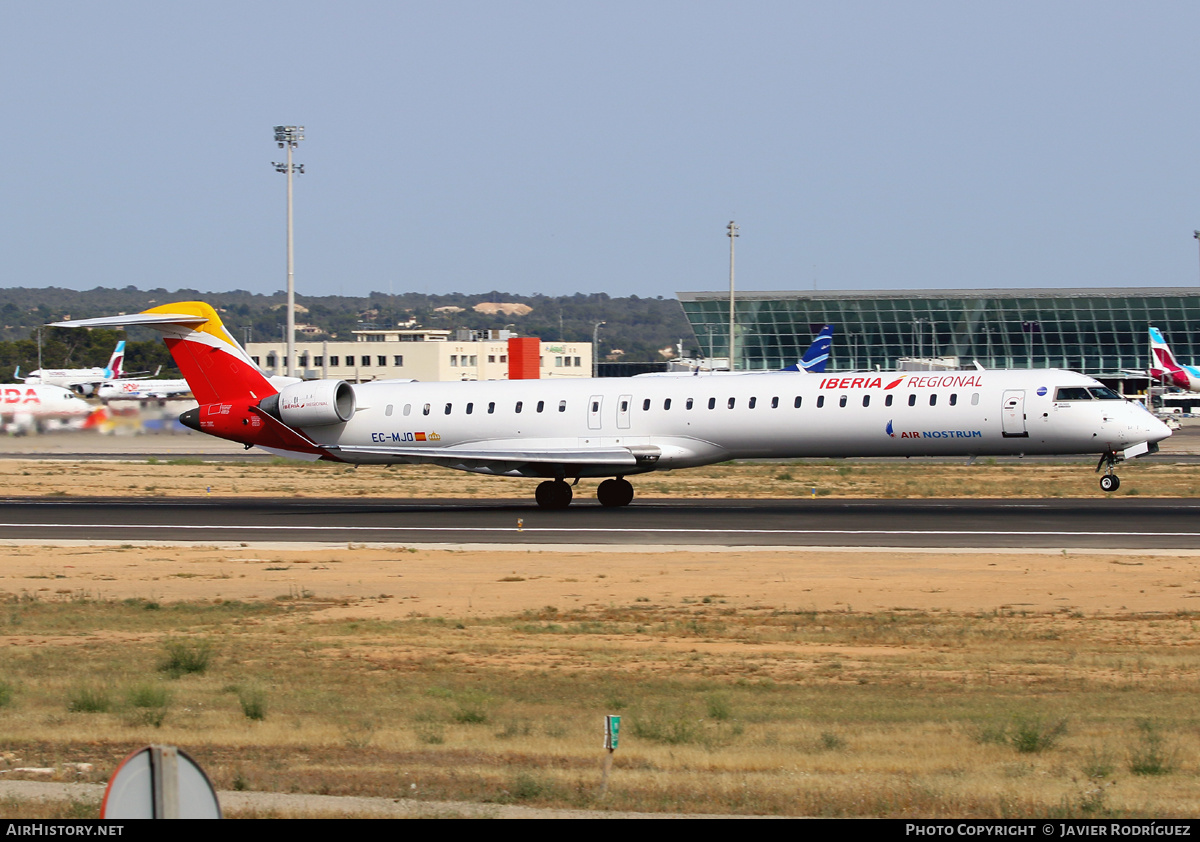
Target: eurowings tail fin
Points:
(817, 355)
(115, 369)
(215, 366)
(1162, 361)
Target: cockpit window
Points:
(1103, 393)
(1072, 393)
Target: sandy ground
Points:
(389, 582)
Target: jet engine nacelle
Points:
(312, 403)
(84, 389)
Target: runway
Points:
(968, 524)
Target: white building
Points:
(424, 354)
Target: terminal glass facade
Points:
(1094, 331)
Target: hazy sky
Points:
(561, 147)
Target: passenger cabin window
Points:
(954, 399)
(491, 407)
(912, 400)
(624, 406)
(774, 403)
(731, 402)
(470, 408)
(595, 406)
(933, 400)
(388, 411)
(689, 403)
(407, 408)
(425, 411)
(646, 405)
(842, 401)
(712, 403)
(667, 403)
(753, 401)
(562, 406)
(448, 407)
(541, 405)
(888, 400)
(866, 400)
(974, 399)
(519, 405)
(797, 404)
(820, 401)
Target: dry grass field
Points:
(797, 683)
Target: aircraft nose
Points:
(1158, 430)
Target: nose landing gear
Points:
(1110, 481)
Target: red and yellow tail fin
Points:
(215, 366)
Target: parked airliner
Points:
(1164, 367)
(81, 380)
(30, 407)
(814, 361)
(617, 427)
(141, 390)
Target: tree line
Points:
(640, 327)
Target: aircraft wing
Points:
(511, 462)
(615, 456)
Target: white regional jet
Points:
(615, 427)
(141, 390)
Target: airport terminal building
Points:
(427, 354)
(1100, 331)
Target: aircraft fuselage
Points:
(701, 420)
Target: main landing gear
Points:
(553, 494)
(1110, 481)
(612, 493)
(615, 492)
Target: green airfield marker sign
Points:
(612, 733)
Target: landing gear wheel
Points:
(615, 492)
(553, 494)
(1110, 482)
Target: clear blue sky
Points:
(561, 147)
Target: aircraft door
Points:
(1013, 414)
(595, 404)
(623, 406)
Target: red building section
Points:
(524, 358)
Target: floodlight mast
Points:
(732, 230)
(289, 137)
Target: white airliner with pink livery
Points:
(1165, 368)
(81, 380)
(566, 430)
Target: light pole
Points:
(289, 137)
(1196, 234)
(595, 339)
(733, 235)
(919, 331)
